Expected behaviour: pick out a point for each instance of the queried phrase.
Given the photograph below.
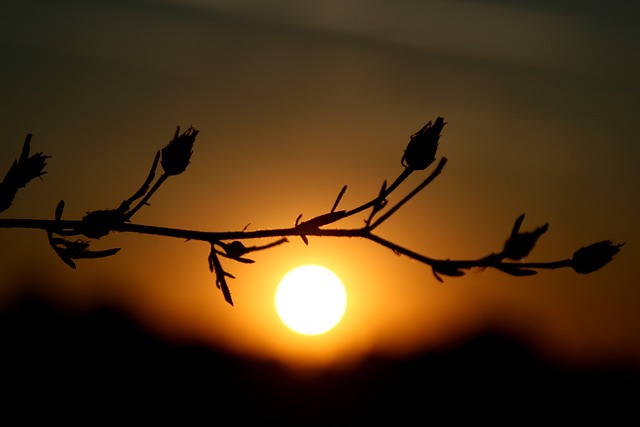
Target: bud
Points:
(422, 147)
(23, 170)
(594, 257)
(97, 224)
(235, 250)
(176, 155)
(520, 244)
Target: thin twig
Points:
(484, 262)
(144, 188)
(335, 204)
(409, 196)
(399, 180)
(147, 196)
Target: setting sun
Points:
(310, 299)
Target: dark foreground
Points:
(100, 366)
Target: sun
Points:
(310, 299)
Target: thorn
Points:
(335, 204)
(435, 274)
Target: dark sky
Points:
(295, 99)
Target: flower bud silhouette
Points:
(594, 257)
(520, 244)
(422, 147)
(97, 224)
(23, 170)
(177, 154)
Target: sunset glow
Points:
(294, 103)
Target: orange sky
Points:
(294, 102)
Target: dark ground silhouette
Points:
(99, 365)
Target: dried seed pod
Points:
(595, 256)
(519, 245)
(177, 154)
(422, 147)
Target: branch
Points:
(174, 159)
(143, 191)
(409, 196)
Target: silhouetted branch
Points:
(143, 191)
(221, 282)
(174, 159)
(335, 204)
(409, 196)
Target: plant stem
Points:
(205, 236)
(209, 236)
(147, 196)
(399, 180)
(408, 197)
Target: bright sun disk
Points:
(310, 299)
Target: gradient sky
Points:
(294, 99)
